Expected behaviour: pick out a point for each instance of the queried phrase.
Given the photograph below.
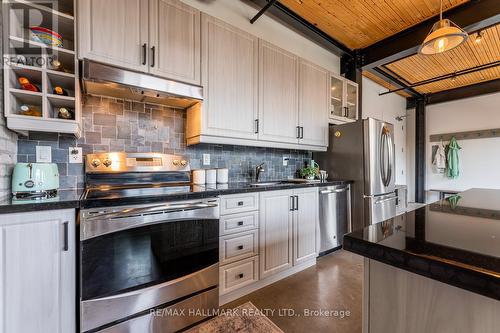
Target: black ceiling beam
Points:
(303, 27)
(473, 90)
(394, 81)
(471, 16)
(262, 11)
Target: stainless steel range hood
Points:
(106, 80)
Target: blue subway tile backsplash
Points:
(119, 125)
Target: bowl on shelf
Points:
(46, 36)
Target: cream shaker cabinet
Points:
(37, 272)
(313, 101)
(305, 224)
(114, 32)
(276, 223)
(174, 37)
(230, 70)
(278, 94)
(288, 226)
(161, 37)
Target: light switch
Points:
(43, 154)
(206, 159)
(75, 155)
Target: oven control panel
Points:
(134, 162)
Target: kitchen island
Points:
(436, 269)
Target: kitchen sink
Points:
(271, 183)
(275, 183)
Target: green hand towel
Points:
(453, 163)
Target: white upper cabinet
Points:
(343, 106)
(230, 70)
(174, 39)
(278, 94)
(161, 37)
(313, 101)
(37, 266)
(114, 32)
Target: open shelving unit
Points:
(33, 60)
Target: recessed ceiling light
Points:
(444, 36)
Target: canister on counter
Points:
(199, 177)
(211, 177)
(222, 176)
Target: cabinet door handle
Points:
(240, 222)
(296, 202)
(144, 53)
(66, 236)
(256, 126)
(153, 56)
(292, 203)
(301, 132)
(298, 132)
(240, 203)
(240, 247)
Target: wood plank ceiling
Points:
(417, 68)
(359, 23)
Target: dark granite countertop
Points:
(77, 198)
(454, 241)
(65, 199)
(198, 192)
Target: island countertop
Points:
(455, 241)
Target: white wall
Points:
(479, 159)
(238, 14)
(387, 108)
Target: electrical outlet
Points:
(75, 155)
(285, 160)
(43, 154)
(206, 159)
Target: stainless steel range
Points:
(148, 267)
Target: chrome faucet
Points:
(258, 169)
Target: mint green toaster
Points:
(35, 178)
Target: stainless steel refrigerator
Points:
(364, 151)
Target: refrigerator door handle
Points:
(385, 200)
(391, 158)
(386, 158)
(382, 158)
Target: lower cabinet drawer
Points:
(238, 246)
(239, 203)
(234, 223)
(238, 274)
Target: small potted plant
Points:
(309, 172)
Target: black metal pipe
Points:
(446, 76)
(262, 11)
(377, 71)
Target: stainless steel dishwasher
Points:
(334, 216)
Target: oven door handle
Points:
(152, 209)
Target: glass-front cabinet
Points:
(343, 100)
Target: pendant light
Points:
(444, 36)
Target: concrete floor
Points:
(335, 283)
